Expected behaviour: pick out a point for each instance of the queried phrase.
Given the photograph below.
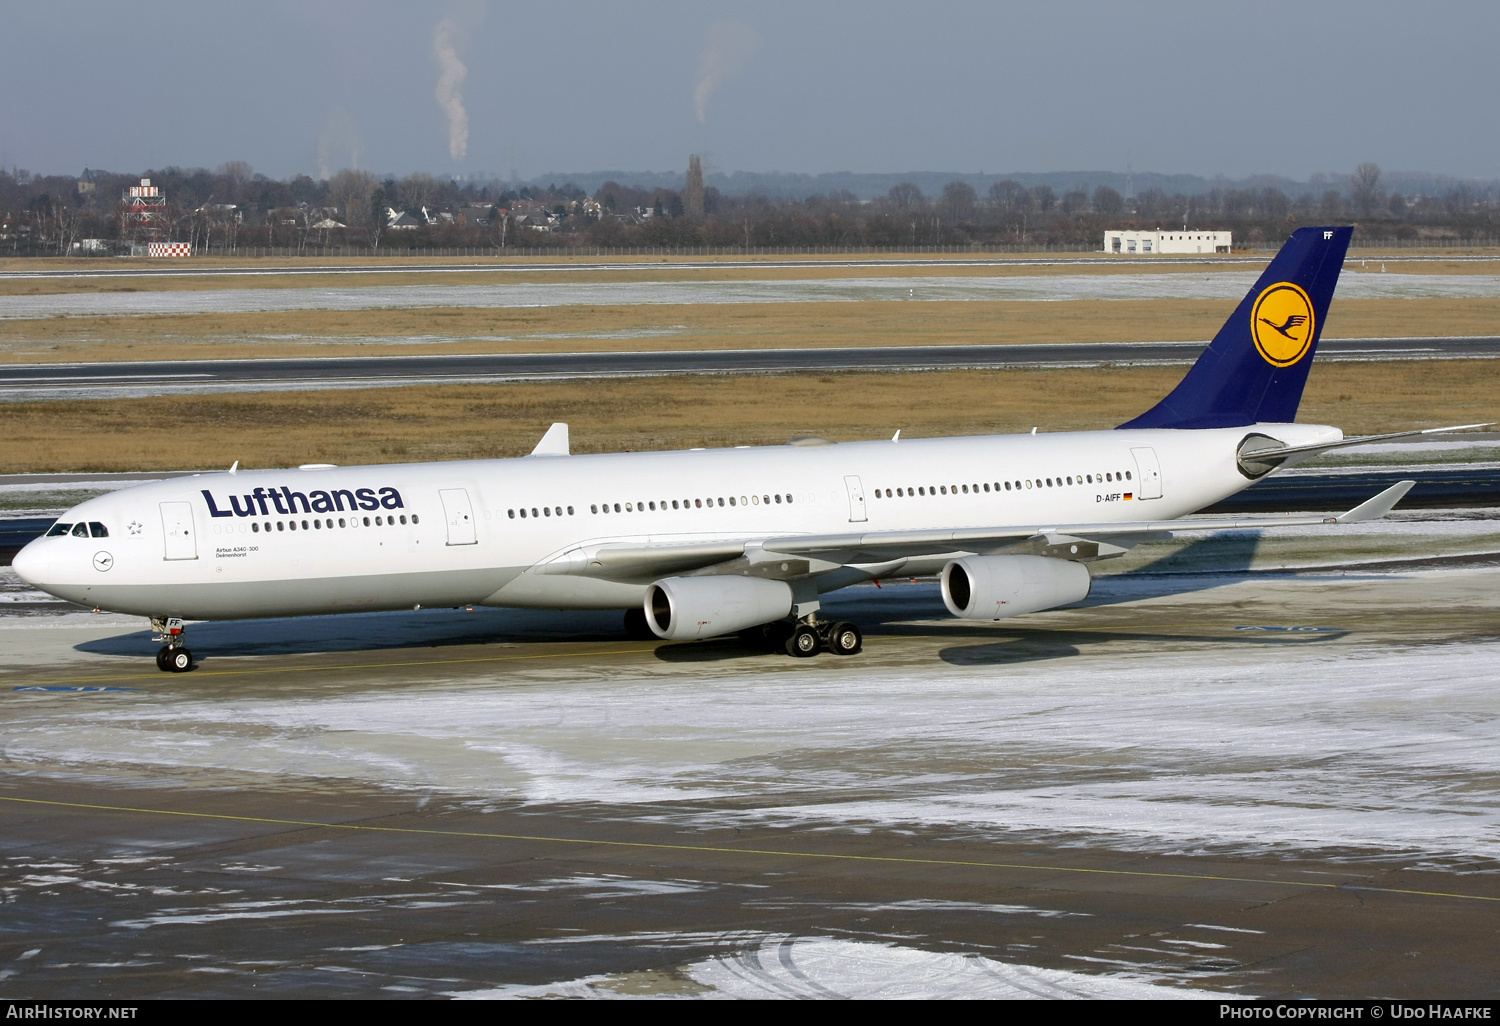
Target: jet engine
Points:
(994, 587)
(683, 608)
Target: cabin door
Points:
(460, 516)
(856, 500)
(1148, 470)
(177, 526)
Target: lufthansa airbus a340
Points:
(708, 542)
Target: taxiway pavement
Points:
(137, 378)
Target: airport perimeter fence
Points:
(605, 252)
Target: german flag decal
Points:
(1129, 496)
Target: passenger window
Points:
(721, 500)
(280, 525)
(414, 516)
(80, 530)
(367, 521)
(547, 510)
(255, 528)
(341, 521)
(778, 500)
(304, 525)
(698, 503)
(617, 507)
(58, 530)
(789, 498)
(403, 518)
(1127, 475)
(766, 499)
(1007, 486)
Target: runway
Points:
(122, 379)
(1216, 776)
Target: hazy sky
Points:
(484, 85)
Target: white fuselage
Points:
(448, 534)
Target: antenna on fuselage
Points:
(235, 469)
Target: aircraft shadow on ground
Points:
(890, 614)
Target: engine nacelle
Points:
(994, 587)
(683, 608)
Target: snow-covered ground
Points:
(1043, 288)
(1214, 735)
(827, 967)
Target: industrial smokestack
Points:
(728, 46)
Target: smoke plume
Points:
(337, 138)
(728, 46)
(449, 40)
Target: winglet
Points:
(1378, 506)
(554, 442)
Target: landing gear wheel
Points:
(804, 642)
(161, 659)
(179, 660)
(845, 639)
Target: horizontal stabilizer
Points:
(1378, 506)
(1265, 455)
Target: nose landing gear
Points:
(173, 657)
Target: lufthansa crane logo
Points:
(1282, 324)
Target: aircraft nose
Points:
(30, 565)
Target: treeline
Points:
(233, 207)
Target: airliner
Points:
(700, 543)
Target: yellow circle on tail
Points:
(1282, 324)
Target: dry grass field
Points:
(709, 326)
(464, 421)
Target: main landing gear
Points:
(173, 657)
(807, 637)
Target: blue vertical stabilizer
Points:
(1256, 366)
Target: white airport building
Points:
(1170, 242)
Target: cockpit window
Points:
(80, 530)
(58, 530)
(97, 530)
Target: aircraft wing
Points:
(799, 555)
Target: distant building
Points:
(1126, 242)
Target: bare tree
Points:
(1007, 196)
(958, 201)
(1364, 187)
(416, 191)
(907, 196)
(1107, 201)
(350, 192)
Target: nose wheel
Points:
(173, 656)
